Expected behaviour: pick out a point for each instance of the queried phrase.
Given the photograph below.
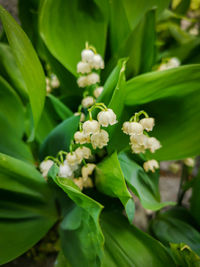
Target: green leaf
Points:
(61, 261)
(125, 245)
(60, 137)
(77, 22)
(81, 226)
(29, 65)
(63, 111)
(144, 186)
(184, 256)
(110, 181)
(169, 228)
(195, 199)
(27, 207)
(11, 108)
(10, 71)
(171, 97)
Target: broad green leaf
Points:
(60, 137)
(110, 181)
(11, 108)
(81, 226)
(171, 97)
(27, 207)
(195, 199)
(143, 185)
(63, 111)
(61, 261)
(184, 256)
(125, 245)
(169, 228)
(131, 13)
(29, 65)
(10, 71)
(75, 22)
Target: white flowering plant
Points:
(88, 109)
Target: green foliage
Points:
(125, 245)
(143, 185)
(27, 207)
(110, 181)
(195, 199)
(29, 65)
(172, 96)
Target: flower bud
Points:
(88, 101)
(87, 170)
(87, 55)
(107, 117)
(93, 78)
(82, 81)
(190, 162)
(81, 138)
(147, 123)
(151, 165)
(65, 170)
(98, 91)
(100, 139)
(83, 67)
(45, 166)
(97, 62)
(83, 152)
(91, 127)
(153, 144)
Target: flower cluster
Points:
(91, 135)
(139, 140)
(52, 83)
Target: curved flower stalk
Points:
(140, 141)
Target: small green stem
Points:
(184, 178)
(84, 162)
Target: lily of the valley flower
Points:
(99, 139)
(132, 128)
(147, 123)
(83, 152)
(107, 117)
(91, 127)
(153, 144)
(73, 159)
(97, 92)
(190, 162)
(93, 78)
(87, 170)
(81, 138)
(97, 62)
(87, 55)
(151, 165)
(83, 67)
(65, 170)
(88, 101)
(45, 166)
(82, 81)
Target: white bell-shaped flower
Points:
(54, 81)
(87, 170)
(141, 140)
(93, 78)
(132, 128)
(97, 92)
(81, 138)
(107, 117)
(72, 158)
(97, 62)
(153, 144)
(137, 149)
(151, 165)
(91, 127)
(48, 85)
(45, 166)
(87, 55)
(83, 67)
(83, 152)
(82, 81)
(65, 170)
(88, 101)
(88, 183)
(100, 139)
(147, 123)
